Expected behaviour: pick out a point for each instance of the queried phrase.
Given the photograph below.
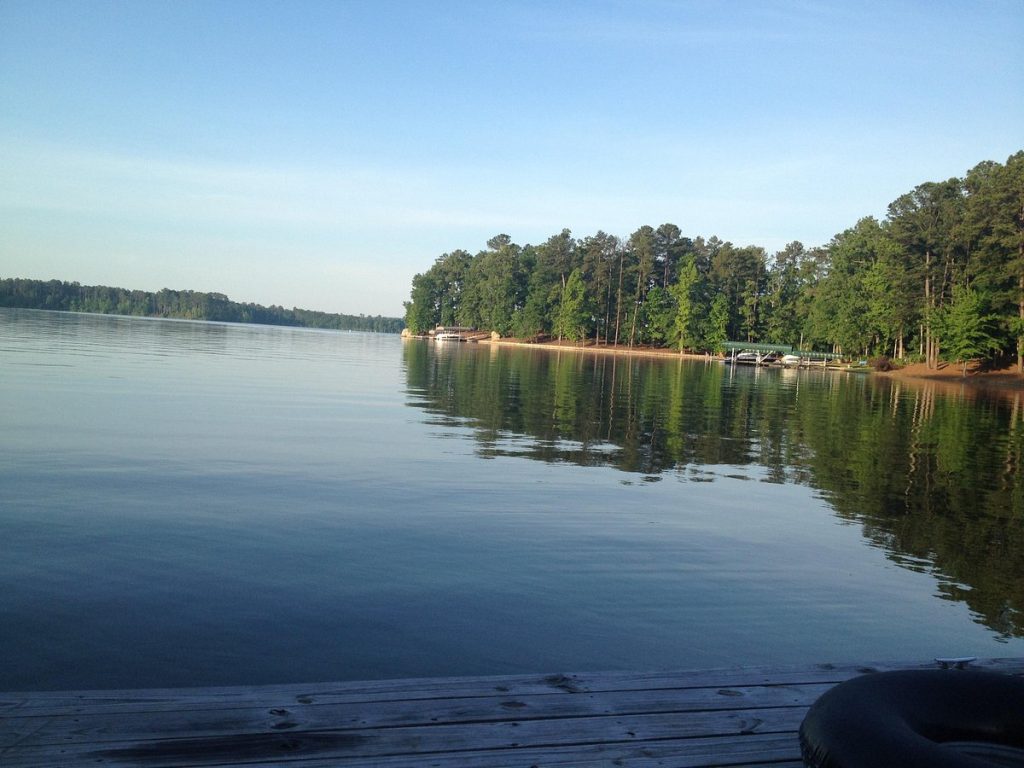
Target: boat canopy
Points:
(746, 346)
(785, 349)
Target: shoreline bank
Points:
(950, 376)
(946, 375)
(599, 349)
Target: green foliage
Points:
(781, 305)
(965, 327)
(876, 288)
(842, 305)
(189, 305)
(492, 289)
(740, 275)
(994, 224)
(656, 317)
(423, 313)
(686, 319)
(572, 317)
(717, 332)
(599, 257)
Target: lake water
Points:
(195, 503)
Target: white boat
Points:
(452, 333)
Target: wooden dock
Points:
(726, 717)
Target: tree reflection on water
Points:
(935, 480)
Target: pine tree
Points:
(571, 321)
(965, 327)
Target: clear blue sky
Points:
(318, 154)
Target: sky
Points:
(319, 154)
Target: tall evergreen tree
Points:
(995, 220)
(965, 327)
(641, 248)
(926, 223)
(686, 321)
(718, 324)
(781, 321)
(571, 321)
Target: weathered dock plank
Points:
(691, 718)
(454, 687)
(366, 744)
(391, 714)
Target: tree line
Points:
(941, 277)
(188, 305)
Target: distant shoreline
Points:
(62, 296)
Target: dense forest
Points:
(188, 305)
(942, 277)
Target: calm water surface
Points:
(193, 503)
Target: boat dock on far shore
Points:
(458, 333)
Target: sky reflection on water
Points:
(188, 503)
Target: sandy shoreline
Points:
(1006, 379)
(597, 349)
(947, 375)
